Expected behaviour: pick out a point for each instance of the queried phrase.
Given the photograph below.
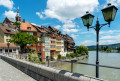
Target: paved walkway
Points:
(10, 73)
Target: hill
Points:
(110, 45)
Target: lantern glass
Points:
(91, 20)
(87, 19)
(109, 13)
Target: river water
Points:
(109, 59)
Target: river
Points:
(109, 59)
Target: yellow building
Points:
(5, 34)
(58, 46)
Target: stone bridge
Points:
(27, 71)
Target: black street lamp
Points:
(8, 44)
(109, 15)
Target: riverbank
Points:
(59, 63)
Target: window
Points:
(42, 29)
(31, 33)
(39, 49)
(47, 44)
(0, 50)
(29, 28)
(10, 50)
(39, 44)
(53, 42)
(59, 43)
(14, 50)
(43, 49)
(58, 47)
(34, 49)
(6, 35)
(6, 40)
(8, 30)
(52, 46)
(46, 49)
(43, 44)
(6, 50)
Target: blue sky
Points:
(65, 16)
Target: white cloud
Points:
(69, 25)
(110, 37)
(114, 2)
(10, 14)
(7, 3)
(110, 32)
(87, 42)
(68, 10)
(74, 36)
(67, 31)
(39, 14)
(57, 27)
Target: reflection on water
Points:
(110, 59)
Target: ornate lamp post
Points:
(109, 15)
(8, 44)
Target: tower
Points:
(18, 17)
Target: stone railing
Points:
(44, 73)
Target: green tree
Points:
(1, 23)
(17, 24)
(82, 50)
(22, 39)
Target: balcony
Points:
(58, 49)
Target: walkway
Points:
(10, 73)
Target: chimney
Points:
(23, 20)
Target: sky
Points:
(65, 15)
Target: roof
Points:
(24, 26)
(39, 29)
(11, 20)
(6, 30)
(54, 29)
(5, 45)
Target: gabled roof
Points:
(24, 26)
(39, 29)
(54, 29)
(5, 45)
(6, 30)
(11, 20)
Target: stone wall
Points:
(44, 73)
(59, 63)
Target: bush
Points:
(62, 57)
(51, 58)
(32, 59)
(78, 55)
(72, 55)
(59, 57)
(68, 56)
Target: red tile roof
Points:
(6, 30)
(24, 26)
(5, 45)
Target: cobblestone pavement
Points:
(10, 73)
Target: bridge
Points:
(12, 69)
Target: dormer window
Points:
(29, 28)
(8, 30)
(42, 29)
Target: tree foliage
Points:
(22, 39)
(17, 23)
(82, 50)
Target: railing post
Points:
(48, 61)
(71, 66)
(72, 61)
